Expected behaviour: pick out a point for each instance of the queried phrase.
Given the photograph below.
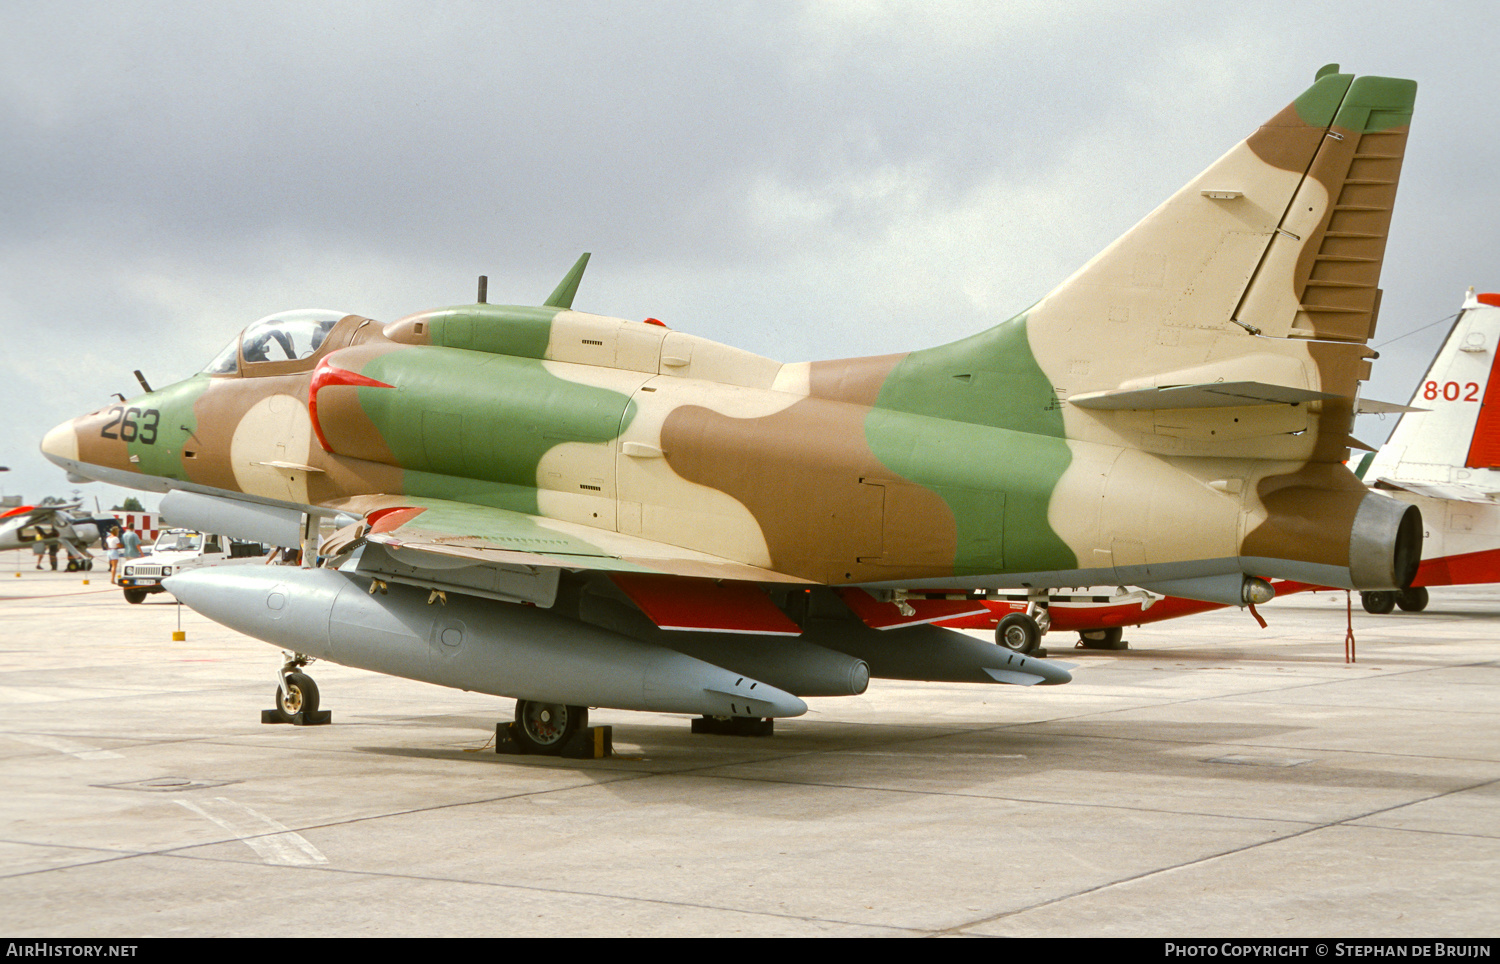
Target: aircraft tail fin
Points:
(1285, 234)
(1231, 321)
(1456, 438)
(1262, 270)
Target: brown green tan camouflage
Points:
(1176, 414)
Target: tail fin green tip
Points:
(562, 295)
(1320, 102)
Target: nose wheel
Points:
(296, 696)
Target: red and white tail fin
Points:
(1456, 441)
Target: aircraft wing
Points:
(442, 530)
(505, 554)
(35, 514)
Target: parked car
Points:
(176, 550)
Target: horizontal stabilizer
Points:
(1369, 406)
(1453, 492)
(1205, 395)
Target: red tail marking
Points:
(1484, 447)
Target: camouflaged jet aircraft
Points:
(575, 510)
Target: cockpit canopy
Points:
(282, 337)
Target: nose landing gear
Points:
(296, 696)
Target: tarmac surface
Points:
(1215, 780)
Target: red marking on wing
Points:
(390, 519)
(679, 602)
(1465, 569)
(888, 615)
(18, 510)
(1491, 299)
(323, 376)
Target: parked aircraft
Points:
(1098, 615)
(24, 526)
(576, 510)
(1444, 457)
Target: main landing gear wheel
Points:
(1110, 638)
(135, 596)
(1018, 633)
(301, 696)
(546, 727)
(1412, 600)
(1378, 603)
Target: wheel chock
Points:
(734, 726)
(588, 743)
(316, 718)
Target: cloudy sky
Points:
(805, 180)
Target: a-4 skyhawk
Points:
(575, 510)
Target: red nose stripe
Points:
(323, 376)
